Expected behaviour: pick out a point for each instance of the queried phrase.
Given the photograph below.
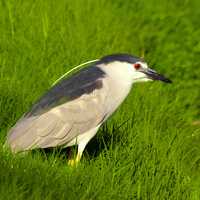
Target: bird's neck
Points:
(118, 85)
(119, 73)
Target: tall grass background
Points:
(150, 148)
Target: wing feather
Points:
(59, 125)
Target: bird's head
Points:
(129, 68)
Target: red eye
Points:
(137, 66)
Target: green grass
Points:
(150, 148)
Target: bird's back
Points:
(68, 89)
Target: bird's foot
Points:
(74, 162)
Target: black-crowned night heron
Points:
(72, 111)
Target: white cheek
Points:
(120, 71)
(142, 80)
(140, 77)
(137, 75)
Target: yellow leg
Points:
(74, 162)
(82, 142)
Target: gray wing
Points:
(50, 125)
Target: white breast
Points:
(118, 82)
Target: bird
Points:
(71, 111)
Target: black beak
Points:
(156, 76)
